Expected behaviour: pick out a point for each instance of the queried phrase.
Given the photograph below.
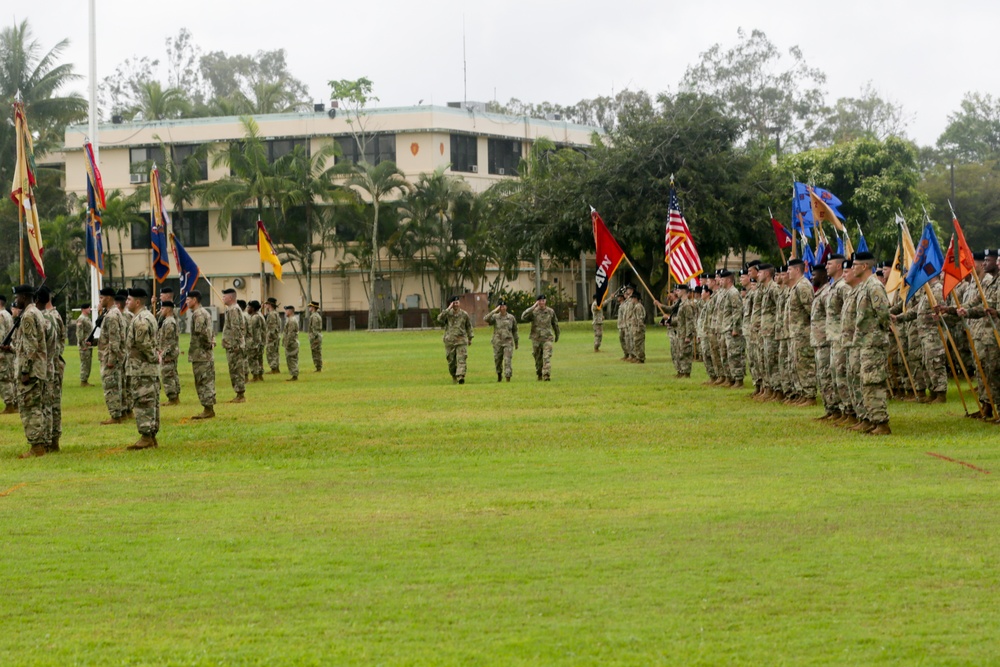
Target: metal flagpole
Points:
(95, 277)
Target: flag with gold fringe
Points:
(22, 190)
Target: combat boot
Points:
(207, 413)
(829, 416)
(597, 348)
(10, 410)
(240, 398)
(53, 446)
(849, 421)
(862, 426)
(37, 450)
(508, 378)
(736, 384)
(145, 442)
(113, 420)
(881, 429)
(84, 383)
(805, 401)
(938, 397)
(294, 378)
(499, 377)
(461, 379)
(924, 398)
(174, 401)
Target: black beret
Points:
(820, 266)
(783, 268)
(271, 300)
(864, 257)
(979, 256)
(121, 294)
(137, 292)
(848, 263)
(254, 304)
(167, 304)
(540, 297)
(167, 290)
(195, 293)
(765, 267)
(744, 272)
(229, 290)
(635, 295)
(836, 255)
(724, 273)
(107, 291)
(698, 289)
(683, 287)
(752, 263)
(241, 303)
(82, 306)
(501, 302)
(879, 272)
(795, 261)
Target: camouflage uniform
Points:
(545, 332)
(316, 339)
(624, 335)
(767, 302)
(731, 332)
(984, 338)
(57, 370)
(786, 370)
(871, 340)
(701, 327)
(910, 339)
(201, 357)
(256, 335)
(928, 330)
(834, 338)
(128, 400)
(751, 330)
(84, 327)
(821, 348)
(111, 355)
(597, 314)
(8, 381)
(802, 354)
(142, 369)
(716, 346)
(272, 340)
(684, 325)
(852, 353)
(168, 344)
(504, 341)
(291, 343)
(637, 329)
(234, 341)
(458, 334)
(31, 367)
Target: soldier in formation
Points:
(201, 356)
(8, 377)
(256, 341)
(142, 369)
(291, 343)
(85, 327)
(597, 316)
(168, 349)
(315, 329)
(234, 340)
(111, 356)
(272, 335)
(30, 348)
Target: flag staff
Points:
(95, 277)
(667, 241)
(20, 209)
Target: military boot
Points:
(53, 446)
(848, 421)
(736, 384)
(36, 450)
(461, 379)
(862, 426)
(174, 401)
(499, 377)
(10, 410)
(145, 442)
(275, 371)
(938, 397)
(113, 420)
(207, 413)
(294, 378)
(881, 429)
(84, 383)
(240, 398)
(924, 398)
(508, 378)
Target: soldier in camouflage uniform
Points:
(234, 341)
(111, 356)
(272, 334)
(597, 315)
(458, 334)
(748, 283)
(982, 320)
(245, 356)
(782, 334)
(932, 349)
(802, 354)
(767, 304)
(701, 327)
(505, 339)
(168, 349)
(314, 326)
(84, 327)
(872, 340)
(636, 328)
(127, 399)
(820, 345)
(200, 354)
(31, 367)
(684, 323)
(622, 326)
(730, 318)
(8, 384)
(545, 332)
(291, 343)
(142, 369)
(834, 331)
(57, 365)
(854, 414)
(716, 348)
(256, 335)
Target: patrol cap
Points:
(167, 304)
(229, 290)
(137, 293)
(254, 304)
(241, 303)
(271, 300)
(795, 261)
(107, 291)
(195, 294)
(314, 304)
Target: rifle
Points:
(96, 331)
(10, 334)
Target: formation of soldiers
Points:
(459, 332)
(137, 353)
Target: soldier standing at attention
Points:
(57, 365)
(272, 334)
(637, 327)
(620, 325)
(505, 339)
(143, 369)
(111, 356)
(683, 323)
(168, 348)
(872, 340)
(200, 354)
(458, 335)
(820, 344)
(255, 342)
(245, 352)
(234, 340)
(802, 356)
(731, 329)
(120, 298)
(31, 367)
(316, 335)
(8, 385)
(545, 332)
(291, 342)
(84, 327)
(834, 337)
(933, 352)
(597, 314)
(767, 306)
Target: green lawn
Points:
(378, 514)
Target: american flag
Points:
(681, 254)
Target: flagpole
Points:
(20, 228)
(667, 242)
(643, 283)
(975, 355)
(95, 278)
(902, 354)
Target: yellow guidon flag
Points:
(266, 249)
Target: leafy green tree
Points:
(261, 80)
(976, 199)
(866, 117)
(122, 212)
(973, 132)
(157, 103)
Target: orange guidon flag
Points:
(609, 256)
(266, 249)
(957, 265)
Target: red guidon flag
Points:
(609, 257)
(957, 264)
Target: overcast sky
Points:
(924, 55)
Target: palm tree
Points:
(26, 68)
(180, 182)
(157, 103)
(379, 182)
(119, 215)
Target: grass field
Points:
(378, 514)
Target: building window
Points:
(378, 148)
(140, 233)
(182, 152)
(243, 228)
(141, 161)
(504, 156)
(464, 153)
(192, 229)
(279, 148)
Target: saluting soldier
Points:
(458, 335)
(143, 369)
(168, 348)
(8, 383)
(256, 335)
(85, 327)
(234, 340)
(200, 354)
(315, 327)
(545, 332)
(505, 339)
(291, 342)
(272, 334)
(111, 356)
(31, 367)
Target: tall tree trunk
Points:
(372, 305)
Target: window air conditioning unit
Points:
(475, 169)
(137, 178)
(500, 171)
